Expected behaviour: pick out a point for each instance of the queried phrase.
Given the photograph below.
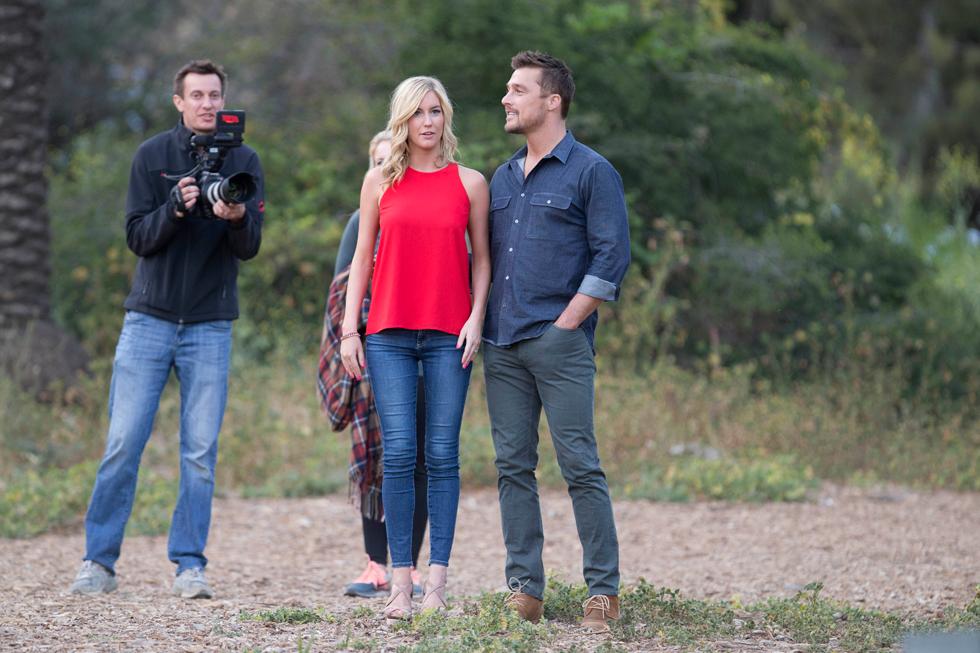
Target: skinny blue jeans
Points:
(148, 349)
(393, 358)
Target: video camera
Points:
(208, 151)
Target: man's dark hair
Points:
(556, 76)
(200, 67)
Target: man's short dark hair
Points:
(556, 76)
(200, 67)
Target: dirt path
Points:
(896, 550)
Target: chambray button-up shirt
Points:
(561, 230)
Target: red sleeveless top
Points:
(421, 273)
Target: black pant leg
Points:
(421, 516)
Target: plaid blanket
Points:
(347, 401)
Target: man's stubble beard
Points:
(524, 127)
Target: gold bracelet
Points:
(352, 334)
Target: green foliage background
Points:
(803, 296)
(767, 211)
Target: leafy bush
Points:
(563, 601)
(486, 625)
(33, 502)
(286, 616)
(647, 612)
(811, 619)
(91, 265)
(776, 478)
(769, 223)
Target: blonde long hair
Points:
(405, 101)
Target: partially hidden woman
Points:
(366, 452)
(423, 309)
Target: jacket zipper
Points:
(183, 285)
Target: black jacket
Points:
(188, 267)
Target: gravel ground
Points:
(892, 549)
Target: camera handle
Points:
(177, 199)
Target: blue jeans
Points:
(148, 349)
(393, 357)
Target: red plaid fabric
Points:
(347, 401)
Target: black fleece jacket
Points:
(188, 267)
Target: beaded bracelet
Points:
(352, 334)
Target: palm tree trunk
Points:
(32, 348)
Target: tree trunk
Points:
(33, 349)
(929, 92)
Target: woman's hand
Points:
(469, 338)
(352, 355)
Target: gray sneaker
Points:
(93, 578)
(191, 584)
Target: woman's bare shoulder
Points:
(471, 176)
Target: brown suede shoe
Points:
(526, 605)
(598, 610)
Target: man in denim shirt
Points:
(560, 247)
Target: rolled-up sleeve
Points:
(607, 229)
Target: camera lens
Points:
(236, 189)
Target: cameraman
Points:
(178, 317)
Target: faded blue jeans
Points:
(393, 358)
(148, 349)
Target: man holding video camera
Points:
(178, 317)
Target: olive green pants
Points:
(555, 371)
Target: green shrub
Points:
(287, 616)
(775, 478)
(274, 440)
(650, 612)
(486, 625)
(34, 502)
(153, 506)
(563, 601)
(92, 266)
(809, 618)
(56, 433)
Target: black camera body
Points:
(208, 151)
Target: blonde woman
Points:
(423, 311)
(366, 455)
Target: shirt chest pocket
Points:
(498, 215)
(551, 216)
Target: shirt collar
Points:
(560, 151)
(564, 147)
(182, 134)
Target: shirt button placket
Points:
(510, 263)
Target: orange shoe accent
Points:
(374, 574)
